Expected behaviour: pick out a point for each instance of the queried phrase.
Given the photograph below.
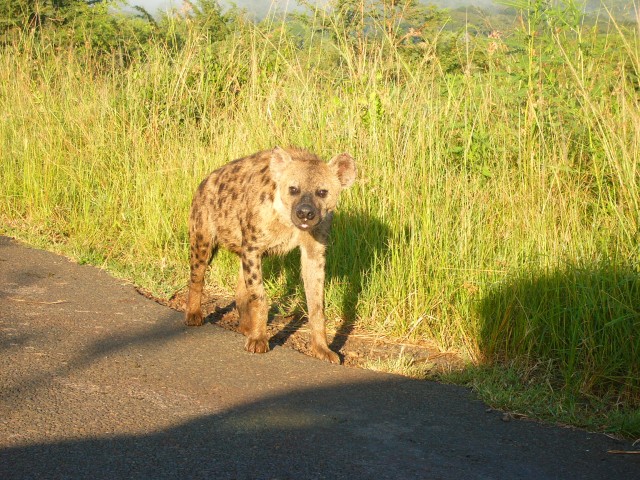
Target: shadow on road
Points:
(100, 346)
(394, 428)
(108, 344)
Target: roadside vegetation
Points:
(498, 206)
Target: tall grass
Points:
(521, 164)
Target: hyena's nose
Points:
(305, 212)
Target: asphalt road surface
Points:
(99, 382)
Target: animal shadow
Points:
(357, 239)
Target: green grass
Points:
(583, 320)
(530, 391)
(497, 209)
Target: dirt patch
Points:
(356, 348)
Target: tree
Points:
(34, 14)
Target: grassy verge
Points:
(533, 391)
(497, 210)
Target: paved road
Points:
(99, 382)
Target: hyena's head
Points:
(307, 188)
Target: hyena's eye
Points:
(294, 190)
(322, 193)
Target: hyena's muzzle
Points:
(305, 214)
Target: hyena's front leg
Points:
(312, 255)
(201, 252)
(251, 303)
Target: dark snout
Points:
(305, 214)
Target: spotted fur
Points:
(268, 203)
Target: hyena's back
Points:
(223, 200)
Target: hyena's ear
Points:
(344, 167)
(280, 158)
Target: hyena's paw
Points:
(257, 345)
(194, 319)
(323, 353)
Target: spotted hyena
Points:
(267, 203)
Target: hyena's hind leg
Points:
(202, 251)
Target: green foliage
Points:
(30, 14)
(532, 391)
(202, 18)
(580, 319)
(78, 23)
(107, 31)
(398, 20)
